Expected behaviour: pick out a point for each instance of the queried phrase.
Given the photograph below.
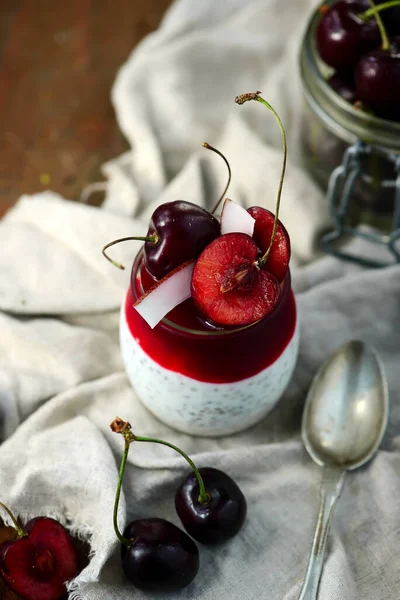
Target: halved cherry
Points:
(229, 286)
(39, 563)
(279, 256)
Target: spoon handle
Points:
(331, 487)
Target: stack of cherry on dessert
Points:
(156, 555)
(232, 269)
(361, 42)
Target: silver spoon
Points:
(344, 419)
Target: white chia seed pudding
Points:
(198, 407)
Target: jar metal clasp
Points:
(340, 197)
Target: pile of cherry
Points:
(231, 269)
(223, 266)
(157, 555)
(361, 42)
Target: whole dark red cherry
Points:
(342, 37)
(182, 231)
(218, 520)
(377, 79)
(344, 85)
(162, 557)
(37, 565)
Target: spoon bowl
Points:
(347, 408)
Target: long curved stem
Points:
(150, 238)
(204, 496)
(206, 145)
(374, 12)
(371, 12)
(241, 100)
(119, 535)
(125, 429)
(19, 530)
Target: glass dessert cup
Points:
(203, 380)
(352, 155)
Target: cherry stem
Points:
(371, 12)
(204, 496)
(241, 99)
(374, 12)
(20, 531)
(150, 238)
(122, 539)
(206, 145)
(124, 428)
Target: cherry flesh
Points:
(37, 565)
(182, 230)
(162, 557)
(342, 36)
(228, 286)
(378, 81)
(218, 520)
(278, 259)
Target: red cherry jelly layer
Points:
(183, 343)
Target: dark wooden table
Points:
(58, 61)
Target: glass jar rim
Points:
(339, 116)
(181, 329)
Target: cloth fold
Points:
(62, 379)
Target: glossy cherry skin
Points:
(278, 260)
(344, 86)
(162, 558)
(184, 230)
(342, 37)
(37, 566)
(222, 517)
(378, 81)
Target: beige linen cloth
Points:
(62, 380)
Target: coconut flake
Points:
(167, 293)
(236, 219)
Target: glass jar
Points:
(353, 156)
(204, 381)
